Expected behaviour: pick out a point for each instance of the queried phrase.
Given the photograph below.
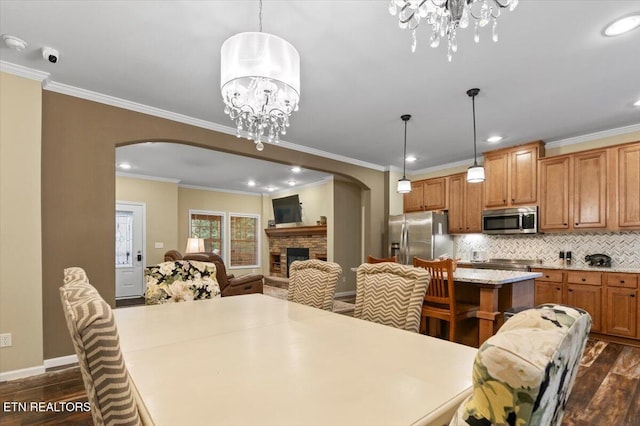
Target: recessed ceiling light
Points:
(124, 166)
(637, 103)
(411, 158)
(291, 182)
(295, 169)
(271, 189)
(622, 25)
(494, 139)
(251, 183)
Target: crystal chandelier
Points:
(445, 16)
(260, 84)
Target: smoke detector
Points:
(15, 43)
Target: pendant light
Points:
(404, 184)
(475, 173)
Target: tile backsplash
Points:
(623, 247)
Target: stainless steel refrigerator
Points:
(421, 234)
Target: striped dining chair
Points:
(95, 338)
(390, 294)
(313, 283)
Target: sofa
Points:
(230, 285)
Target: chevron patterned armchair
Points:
(95, 338)
(390, 294)
(524, 373)
(313, 283)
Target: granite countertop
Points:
(575, 267)
(583, 267)
(492, 276)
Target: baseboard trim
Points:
(345, 293)
(22, 373)
(40, 369)
(60, 361)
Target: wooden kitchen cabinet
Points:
(573, 191)
(465, 205)
(584, 290)
(629, 186)
(621, 304)
(590, 190)
(428, 194)
(511, 176)
(548, 288)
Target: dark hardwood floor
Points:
(606, 391)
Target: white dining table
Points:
(259, 360)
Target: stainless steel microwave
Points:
(517, 220)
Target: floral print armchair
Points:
(524, 373)
(180, 281)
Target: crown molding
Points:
(77, 92)
(306, 185)
(43, 77)
(593, 136)
(147, 177)
(211, 189)
(432, 169)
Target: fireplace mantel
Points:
(296, 231)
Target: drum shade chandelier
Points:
(445, 16)
(475, 173)
(260, 84)
(404, 184)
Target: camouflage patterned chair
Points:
(390, 294)
(524, 373)
(94, 334)
(313, 283)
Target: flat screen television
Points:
(287, 209)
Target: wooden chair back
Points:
(441, 290)
(371, 259)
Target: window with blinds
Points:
(209, 226)
(244, 240)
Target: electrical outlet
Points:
(5, 340)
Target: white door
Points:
(130, 249)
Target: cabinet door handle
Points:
(558, 288)
(633, 295)
(570, 289)
(621, 281)
(504, 201)
(564, 224)
(546, 276)
(513, 200)
(576, 224)
(584, 279)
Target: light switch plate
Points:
(159, 245)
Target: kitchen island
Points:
(494, 291)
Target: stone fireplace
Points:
(311, 238)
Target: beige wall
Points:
(79, 138)
(161, 201)
(347, 232)
(20, 222)
(226, 202)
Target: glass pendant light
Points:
(404, 184)
(475, 173)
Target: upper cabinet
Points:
(573, 191)
(429, 194)
(628, 186)
(465, 205)
(511, 175)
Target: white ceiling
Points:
(551, 76)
